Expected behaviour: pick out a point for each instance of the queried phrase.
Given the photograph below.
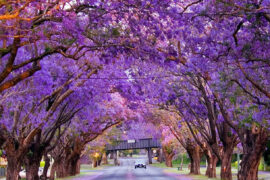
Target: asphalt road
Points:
(129, 173)
(126, 171)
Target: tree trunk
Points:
(15, 154)
(13, 168)
(226, 170)
(55, 169)
(46, 167)
(195, 155)
(73, 165)
(249, 168)
(104, 159)
(78, 167)
(68, 166)
(94, 163)
(99, 162)
(111, 155)
(195, 164)
(211, 165)
(253, 151)
(168, 157)
(60, 169)
(160, 155)
(32, 163)
(32, 171)
(182, 160)
(2, 141)
(115, 158)
(168, 160)
(149, 152)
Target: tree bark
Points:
(13, 168)
(15, 154)
(255, 144)
(159, 152)
(2, 139)
(99, 162)
(46, 167)
(73, 167)
(149, 152)
(53, 170)
(226, 169)
(182, 160)
(249, 168)
(195, 155)
(68, 166)
(60, 170)
(111, 155)
(168, 157)
(94, 163)
(104, 158)
(211, 165)
(32, 163)
(115, 158)
(32, 171)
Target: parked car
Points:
(140, 163)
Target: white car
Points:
(140, 163)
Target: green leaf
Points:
(30, 153)
(233, 99)
(68, 42)
(4, 50)
(48, 48)
(115, 32)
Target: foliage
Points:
(71, 69)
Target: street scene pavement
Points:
(126, 171)
(129, 173)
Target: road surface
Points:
(129, 173)
(126, 171)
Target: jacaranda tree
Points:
(208, 60)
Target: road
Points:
(129, 173)
(126, 171)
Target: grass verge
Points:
(185, 172)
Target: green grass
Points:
(79, 175)
(185, 172)
(89, 167)
(86, 167)
(162, 165)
